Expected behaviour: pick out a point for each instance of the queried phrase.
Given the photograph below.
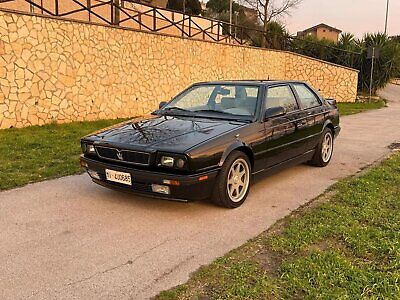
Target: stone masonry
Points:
(62, 71)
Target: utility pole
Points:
(236, 23)
(230, 17)
(387, 15)
(372, 74)
(265, 25)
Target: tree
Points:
(387, 65)
(347, 46)
(220, 6)
(311, 46)
(269, 10)
(276, 35)
(351, 52)
(249, 26)
(192, 7)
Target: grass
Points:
(36, 153)
(350, 108)
(344, 245)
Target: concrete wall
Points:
(54, 70)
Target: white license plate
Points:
(120, 177)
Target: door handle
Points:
(302, 122)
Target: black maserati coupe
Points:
(209, 140)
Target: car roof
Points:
(251, 82)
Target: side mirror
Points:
(224, 92)
(162, 104)
(332, 102)
(274, 112)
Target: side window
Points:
(307, 97)
(281, 96)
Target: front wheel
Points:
(324, 150)
(233, 181)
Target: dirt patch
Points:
(327, 244)
(270, 261)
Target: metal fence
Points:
(140, 16)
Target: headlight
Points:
(167, 161)
(87, 148)
(180, 163)
(172, 161)
(90, 149)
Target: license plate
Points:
(120, 177)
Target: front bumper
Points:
(191, 187)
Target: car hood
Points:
(163, 133)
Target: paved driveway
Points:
(68, 238)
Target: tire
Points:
(324, 150)
(224, 190)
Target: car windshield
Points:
(216, 100)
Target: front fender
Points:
(235, 145)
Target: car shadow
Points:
(144, 202)
(147, 203)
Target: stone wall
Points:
(333, 81)
(101, 14)
(60, 71)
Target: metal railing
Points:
(123, 13)
(133, 14)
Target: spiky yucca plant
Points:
(386, 65)
(352, 52)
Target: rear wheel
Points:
(324, 150)
(233, 181)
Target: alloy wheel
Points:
(327, 147)
(238, 180)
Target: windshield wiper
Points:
(213, 111)
(224, 115)
(175, 108)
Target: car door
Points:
(281, 132)
(312, 112)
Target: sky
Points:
(355, 16)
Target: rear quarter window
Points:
(307, 97)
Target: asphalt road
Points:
(69, 238)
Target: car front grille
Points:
(126, 156)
